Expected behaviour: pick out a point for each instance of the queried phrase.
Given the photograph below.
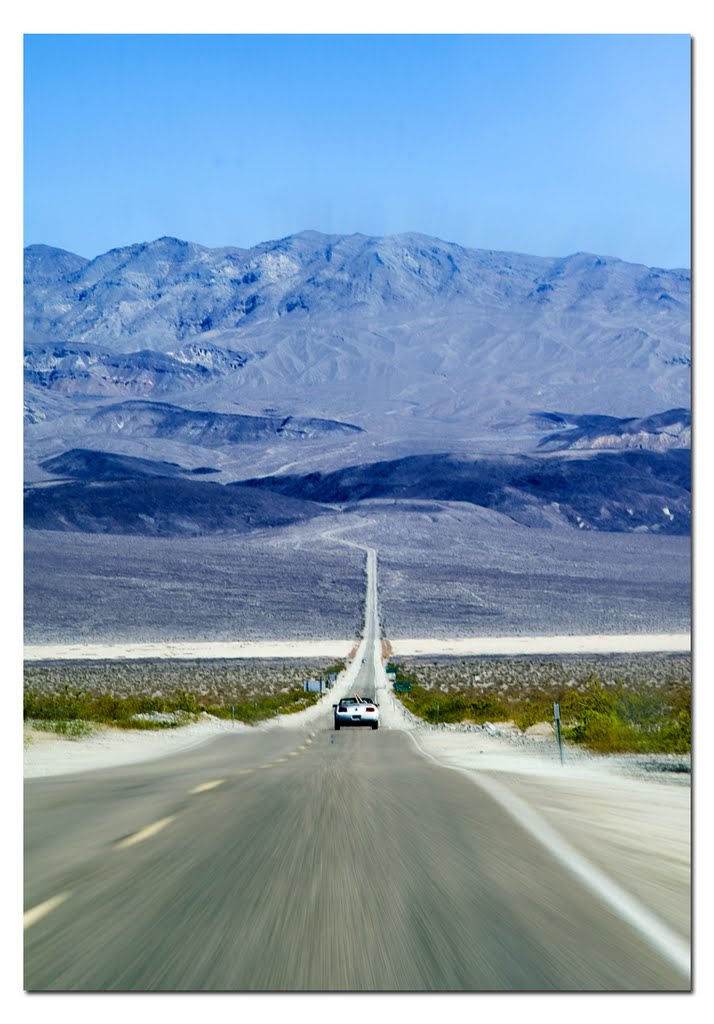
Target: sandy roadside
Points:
(264, 650)
(596, 643)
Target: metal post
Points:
(233, 715)
(556, 716)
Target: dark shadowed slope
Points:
(627, 490)
(210, 429)
(160, 507)
(659, 432)
(88, 464)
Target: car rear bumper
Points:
(354, 721)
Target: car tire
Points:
(376, 725)
(337, 728)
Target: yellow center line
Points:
(205, 786)
(145, 833)
(35, 914)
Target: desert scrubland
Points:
(96, 588)
(446, 570)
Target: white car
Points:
(356, 711)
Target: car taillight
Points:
(342, 711)
(370, 709)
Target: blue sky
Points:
(534, 143)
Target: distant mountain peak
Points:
(405, 325)
(44, 264)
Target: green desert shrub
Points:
(606, 712)
(435, 706)
(634, 719)
(74, 728)
(337, 666)
(217, 710)
(531, 712)
(261, 708)
(115, 691)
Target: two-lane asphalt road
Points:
(308, 860)
(289, 861)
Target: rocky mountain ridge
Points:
(318, 355)
(168, 290)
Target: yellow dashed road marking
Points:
(37, 913)
(145, 833)
(205, 786)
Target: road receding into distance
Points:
(304, 859)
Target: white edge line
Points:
(35, 914)
(668, 943)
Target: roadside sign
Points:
(556, 716)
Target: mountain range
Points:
(324, 357)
